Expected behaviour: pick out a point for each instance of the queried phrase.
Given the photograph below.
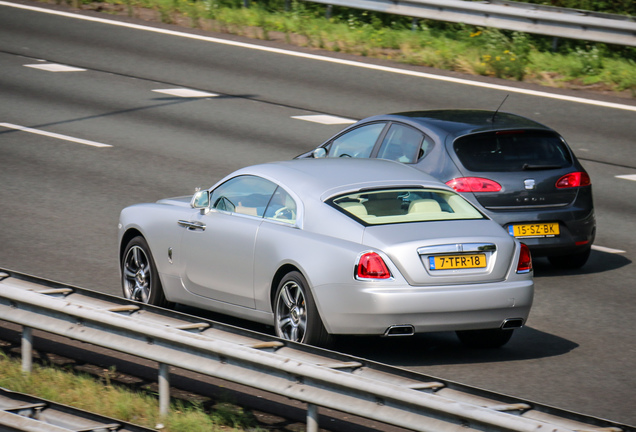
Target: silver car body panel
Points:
(230, 266)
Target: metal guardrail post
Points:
(312, 418)
(27, 349)
(164, 389)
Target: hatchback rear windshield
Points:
(403, 205)
(512, 151)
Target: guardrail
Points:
(317, 377)
(507, 15)
(20, 412)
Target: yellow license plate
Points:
(550, 229)
(450, 262)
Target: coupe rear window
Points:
(512, 151)
(403, 205)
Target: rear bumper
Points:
(368, 308)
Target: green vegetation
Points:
(457, 47)
(622, 7)
(101, 396)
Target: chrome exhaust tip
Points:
(512, 323)
(400, 330)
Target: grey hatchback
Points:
(519, 172)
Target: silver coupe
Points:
(321, 247)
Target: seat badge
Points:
(529, 184)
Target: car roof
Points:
(456, 122)
(327, 177)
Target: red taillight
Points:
(574, 179)
(525, 260)
(474, 184)
(372, 266)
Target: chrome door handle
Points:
(192, 225)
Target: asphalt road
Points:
(61, 190)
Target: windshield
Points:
(389, 206)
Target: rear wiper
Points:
(528, 167)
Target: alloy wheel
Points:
(291, 313)
(137, 275)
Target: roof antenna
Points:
(497, 111)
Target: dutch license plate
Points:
(550, 229)
(451, 262)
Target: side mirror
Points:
(201, 200)
(319, 153)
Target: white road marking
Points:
(185, 93)
(54, 135)
(325, 119)
(608, 250)
(54, 67)
(327, 59)
(627, 177)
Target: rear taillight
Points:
(474, 184)
(372, 266)
(574, 179)
(525, 260)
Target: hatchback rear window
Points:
(512, 151)
(403, 205)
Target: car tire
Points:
(295, 313)
(140, 279)
(572, 261)
(491, 338)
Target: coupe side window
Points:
(247, 195)
(282, 207)
(402, 144)
(357, 143)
